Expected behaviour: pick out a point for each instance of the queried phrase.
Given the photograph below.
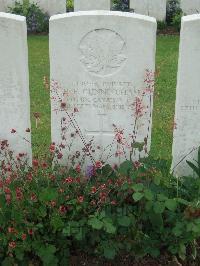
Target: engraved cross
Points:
(101, 132)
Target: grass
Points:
(163, 115)
(165, 94)
(40, 99)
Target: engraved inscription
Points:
(11, 98)
(194, 106)
(103, 52)
(9, 88)
(100, 95)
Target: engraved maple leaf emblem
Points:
(102, 52)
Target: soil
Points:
(168, 31)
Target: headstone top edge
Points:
(190, 18)
(103, 12)
(12, 16)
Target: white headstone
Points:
(153, 8)
(98, 66)
(84, 5)
(187, 126)
(5, 4)
(2, 6)
(51, 7)
(190, 7)
(14, 84)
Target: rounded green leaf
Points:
(148, 194)
(138, 196)
(171, 204)
(138, 187)
(124, 221)
(95, 223)
(159, 207)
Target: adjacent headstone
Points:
(14, 84)
(5, 4)
(2, 6)
(100, 102)
(51, 7)
(153, 8)
(190, 7)
(84, 5)
(187, 126)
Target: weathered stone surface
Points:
(187, 126)
(84, 5)
(14, 84)
(100, 102)
(190, 7)
(5, 4)
(51, 7)
(153, 8)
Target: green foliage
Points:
(37, 21)
(47, 214)
(161, 25)
(173, 9)
(121, 5)
(47, 255)
(125, 168)
(176, 21)
(70, 5)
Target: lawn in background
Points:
(163, 115)
(165, 94)
(40, 99)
